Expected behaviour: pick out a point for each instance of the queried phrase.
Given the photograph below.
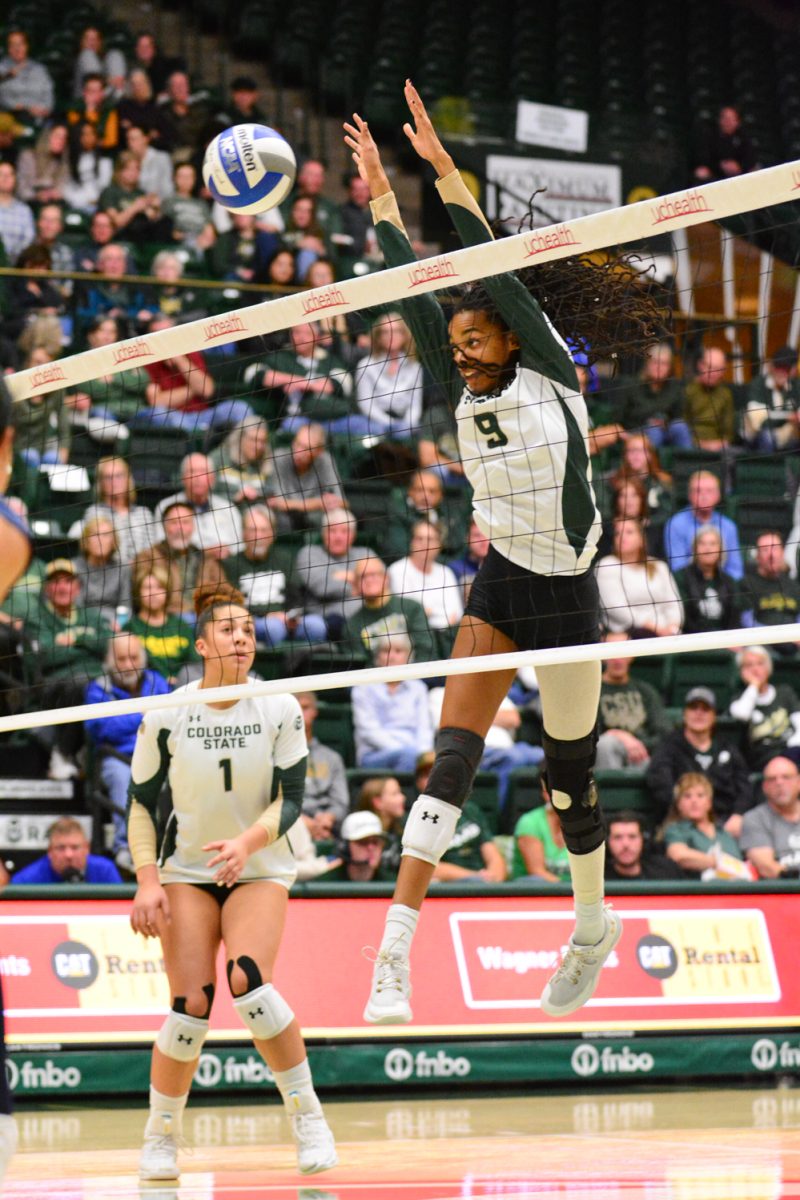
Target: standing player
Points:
(236, 773)
(15, 553)
(522, 430)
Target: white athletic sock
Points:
(8, 1141)
(166, 1113)
(297, 1089)
(398, 933)
(588, 888)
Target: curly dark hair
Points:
(209, 596)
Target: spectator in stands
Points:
(168, 640)
(135, 214)
(392, 721)
(325, 574)
(26, 87)
(105, 580)
(171, 296)
(437, 444)
(771, 419)
(90, 170)
(135, 527)
(629, 504)
(43, 423)
(243, 253)
(148, 58)
(113, 738)
(189, 566)
(281, 271)
(121, 394)
(243, 464)
(467, 565)
(310, 861)
(312, 383)
(68, 859)
(217, 525)
(242, 108)
(311, 181)
(770, 834)
(696, 746)
(184, 118)
(708, 402)
(138, 108)
(181, 390)
(17, 229)
(307, 483)
(638, 595)
(95, 109)
(422, 501)
(769, 596)
(627, 855)
(538, 849)
(49, 231)
(355, 220)
(111, 297)
(472, 853)
(362, 845)
(263, 572)
(389, 380)
(640, 461)
(326, 789)
(422, 577)
(32, 298)
(769, 713)
(94, 59)
(70, 645)
(631, 718)
(693, 837)
(710, 595)
(381, 613)
(304, 234)
(682, 528)
(384, 797)
(43, 170)
(652, 403)
(101, 233)
(155, 166)
(725, 150)
(190, 215)
(10, 133)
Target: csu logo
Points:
(585, 1061)
(74, 965)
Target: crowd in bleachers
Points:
(318, 472)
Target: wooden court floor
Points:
(732, 1144)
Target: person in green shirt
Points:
(693, 837)
(168, 640)
(538, 848)
(383, 614)
(472, 853)
(708, 402)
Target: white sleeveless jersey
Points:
(219, 763)
(514, 446)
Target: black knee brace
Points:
(458, 756)
(179, 1003)
(251, 973)
(569, 770)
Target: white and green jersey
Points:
(220, 765)
(524, 449)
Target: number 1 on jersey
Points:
(227, 774)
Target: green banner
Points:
(408, 1064)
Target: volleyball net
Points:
(299, 449)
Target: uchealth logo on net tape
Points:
(329, 297)
(45, 375)
(223, 327)
(550, 239)
(74, 965)
(437, 268)
(127, 351)
(587, 1061)
(684, 205)
(400, 1064)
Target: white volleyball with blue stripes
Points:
(249, 168)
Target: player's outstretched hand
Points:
(231, 857)
(150, 910)
(423, 136)
(366, 156)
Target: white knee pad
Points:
(429, 829)
(181, 1037)
(264, 1012)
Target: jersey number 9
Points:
(489, 426)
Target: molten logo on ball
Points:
(249, 168)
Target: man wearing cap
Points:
(696, 747)
(362, 842)
(772, 416)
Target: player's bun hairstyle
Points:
(209, 596)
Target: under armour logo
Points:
(426, 816)
(188, 1040)
(259, 1012)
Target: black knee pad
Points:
(251, 972)
(569, 769)
(458, 756)
(179, 1003)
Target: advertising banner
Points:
(74, 972)
(568, 189)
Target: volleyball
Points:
(249, 168)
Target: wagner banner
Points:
(74, 972)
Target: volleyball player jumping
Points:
(522, 432)
(221, 873)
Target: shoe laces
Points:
(391, 968)
(575, 960)
(165, 1142)
(310, 1125)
